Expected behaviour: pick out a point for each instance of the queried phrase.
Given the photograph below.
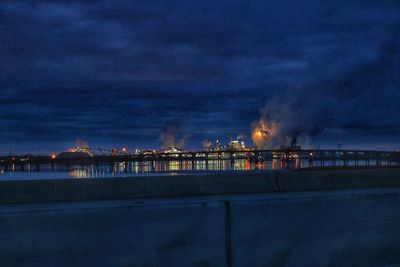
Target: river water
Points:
(149, 168)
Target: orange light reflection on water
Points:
(125, 169)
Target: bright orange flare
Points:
(262, 132)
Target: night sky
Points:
(118, 73)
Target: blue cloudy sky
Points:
(115, 73)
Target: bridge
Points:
(315, 157)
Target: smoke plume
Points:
(81, 144)
(349, 103)
(263, 133)
(207, 144)
(171, 135)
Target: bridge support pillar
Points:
(126, 165)
(310, 160)
(356, 158)
(232, 160)
(322, 156)
(193, 161)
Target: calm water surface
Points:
(133, 169)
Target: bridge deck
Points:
(253, 155)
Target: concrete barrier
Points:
(290, 218)
(70, 190)
(195, 185)
(113, 234)
(353, 228)
(135, 187)
(331, 228)
(310, 180)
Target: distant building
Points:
(78, 152)
(171, 149)
(236, 145)
(79, 149)
(147, 152)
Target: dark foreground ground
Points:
(303, 218)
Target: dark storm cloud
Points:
(113, 72)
